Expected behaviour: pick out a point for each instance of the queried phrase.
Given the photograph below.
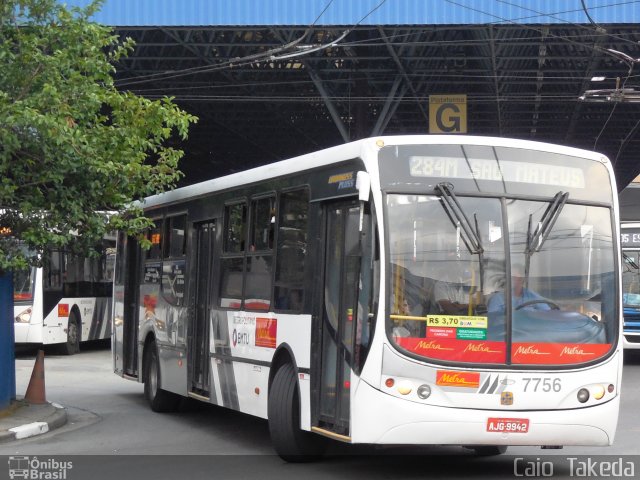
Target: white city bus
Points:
(67, 301)
(630, 244)
(305, 291)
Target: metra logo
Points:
(529, 350)
(431, 345)
(574, 351)
(480, 347)
(446, 378)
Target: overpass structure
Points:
(270, 79)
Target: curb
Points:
(55, 420)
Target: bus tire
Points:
(289, 441)
(159, 400)
(72, 345)
(490, 450)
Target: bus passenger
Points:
(453, 297)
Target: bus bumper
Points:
(631, 340)
(27, 333)
(402, 422)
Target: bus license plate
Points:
(510, 425)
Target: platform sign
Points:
(448, 113)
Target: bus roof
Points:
(344, 152)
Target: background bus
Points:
(630, 244)
(67, 301)
(304, 292)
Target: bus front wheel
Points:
(159, 400)
(289, 441)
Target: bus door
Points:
(342, 254)
(198, 353)
(131, 306)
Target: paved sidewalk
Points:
(23, 419)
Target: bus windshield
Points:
(23, 285)
(448, 279)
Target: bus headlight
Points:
(583, 395)
(404, 388)
(24, 316)
(598, 391)
(424, 391)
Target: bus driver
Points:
(520, 295)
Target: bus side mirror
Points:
(363, 184)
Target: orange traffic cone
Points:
(35, 391)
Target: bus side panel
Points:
(117, 346)
(167, 324)
(253, 337)
(54, 328)
(96, 324)
(174, 368)
(93, 317)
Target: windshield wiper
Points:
(548, 220)
(471, 236)
(629, 261)
(457, 216)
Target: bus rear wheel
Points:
(72, 345)
(289, 441)
(159, 400)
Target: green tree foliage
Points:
(74, 151)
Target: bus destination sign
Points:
(504, 170)
(630, 237)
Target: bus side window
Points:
(235, 221)
(232, 261)
(154, 235)
(259, 264)
(53, 272)
(291, 250)
(173, 264)
(175, 236)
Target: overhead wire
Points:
(201, 68)
(598, 29)
(168, 89)
(528, 27)
(243, 61)
(586, 12)
(268, 55)
(616, 55)
(522, 98)
(631, 62)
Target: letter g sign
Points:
(447, 114)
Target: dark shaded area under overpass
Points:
(629, 200)
(258, 105)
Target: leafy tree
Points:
(74, 150)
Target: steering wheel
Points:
(554, 306)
